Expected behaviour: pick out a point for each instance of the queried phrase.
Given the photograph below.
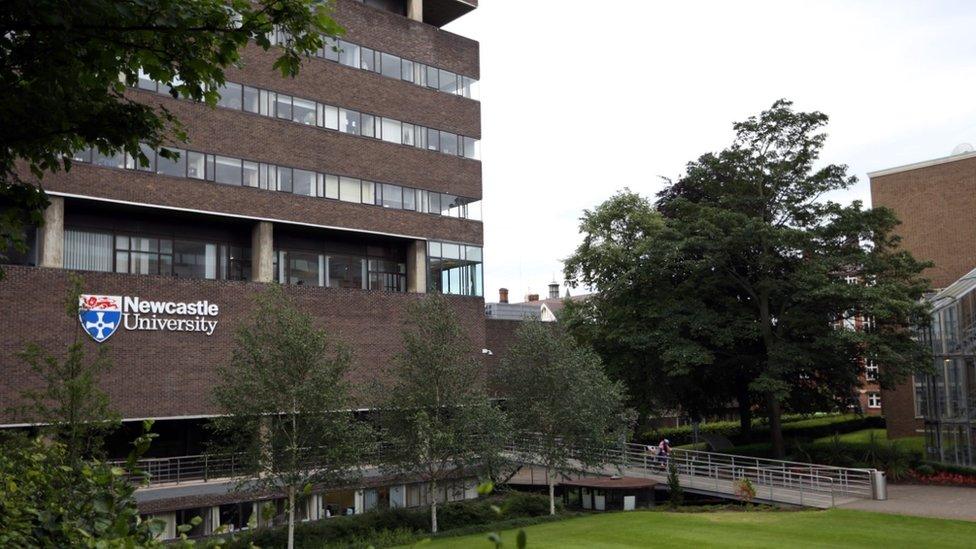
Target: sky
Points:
(580, 99)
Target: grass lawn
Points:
(909, 444)
(833, 528)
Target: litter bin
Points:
(879, 485)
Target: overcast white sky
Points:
(583, 98)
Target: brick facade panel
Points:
(193, 194)
(167, 374)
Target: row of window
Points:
(389, 65)
(312, 113)
(455, 269)
(235, 171)
(339, 271)
(183, 258)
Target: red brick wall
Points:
(164, 374)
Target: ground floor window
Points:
(874, 400)
(455, 269)
(340, 271)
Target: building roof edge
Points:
(923, 164)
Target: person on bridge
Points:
(663, 451)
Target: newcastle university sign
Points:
(102, 315)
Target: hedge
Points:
(397, 526)
(798, 427)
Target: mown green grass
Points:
(833, 528)
(908, 444)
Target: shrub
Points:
(745, 490)
(676, 496)
(793, 427)
(522, 504)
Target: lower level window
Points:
(874, 400)
(455, 269)
(340, 271)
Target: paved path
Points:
(926, 501)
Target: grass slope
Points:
(908, 444)
(833, 528)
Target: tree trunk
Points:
(775, 427)
(291, 517)
(552, 494)
(433, 507)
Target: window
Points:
(874, 400)
(143, 255)
(330, 48)
(330, 117)
(194, 259)
(145, 82)
(388, 276)
(433, 139)
(431, 77)
(87, 250)
(455, 269)
(115, 160)
(392, 196)
(332, 186)
(195, 165)
(409, 199)
(449, 143)
(350, 190)
(392, 131)
(175, 168)
(349, 121)
(345, 272)
(870, 370)
(302, 268)
(228, 170)
(471, 147)
(303, 182)
(303, 111)
(251, 99)
(390, 65)
(284, 179)
(348, 54)
(406, 70)
(283, 106)
(447, 82)
(250, 173)
(368, 57)
(408, 134)
(369, 195)
(230, 96)
(368, 127)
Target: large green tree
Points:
(560, 399)
(285, 405)
(763, 271)
(64, 67)
(438, 422)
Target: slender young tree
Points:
(432, 404)
(70, 406)
(285, 405)
(65, 65)
(558, 395)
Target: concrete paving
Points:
(924, 501)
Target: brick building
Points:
(357, 185)
(935, 201)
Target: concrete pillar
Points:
(262, 252)
(51, 235)
(417, 267)
(415, 10)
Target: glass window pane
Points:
(389, 65)
(332, 186)
(368, 127)
(473, 253)
(303, 111)
(330, 117)
(194, 259)
(251, 98)
(471, 147)
(227, 170)
(406, 70)
(434, 203)
(350, 190)
(121, 262)
(448, 82)
(409, 199)
(392, 131)
(210, 167)
(230, 96)
(250, 174)
(433, 139)
(431, 73)
(369, 196)
(348, 54)
(175, 168)
(450, 251)
(449, 143)
(146, 83)
(345, 272)
(349, 121)
(87, 251)
(283, 106)
(407, 131)
(330, 48)
(116, 160)
(303, 268)
(195, 165)
(284, 179)
(392, 196)
(368, 59)
(303, 182)
(467, 87)
(435, 249)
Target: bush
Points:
(523, 504)
(793, 427)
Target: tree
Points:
(432, 405)
(285, 405)
(70, 408)
(64, 67)
(558, 394)
(757, 261)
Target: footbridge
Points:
(717, 474)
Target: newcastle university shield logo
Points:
(100, 315)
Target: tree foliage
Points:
(64, 67)
(438, 423)
(754, 270)
(70, 407)
(285, 404)
(558, 396)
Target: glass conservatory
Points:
(947, 397)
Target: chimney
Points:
(553, 290)
(532, 297)
(503, 295)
